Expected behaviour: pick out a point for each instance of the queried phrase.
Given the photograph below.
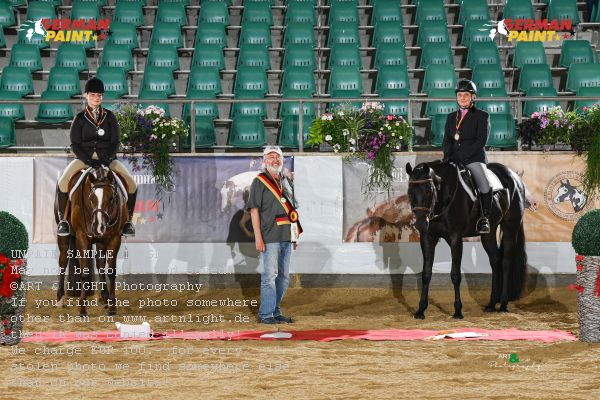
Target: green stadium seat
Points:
(22, 38)
(255, 33)
(16, 79)
(299, 55)
(251, 83)
(529, 53)
(129, 12)
(157, 79)
(483, 53)
(488, 76)
(390, 54)
(300, 12)
(255, 109)
(154, 97)
(343, 11)
(299, 33)
(287, 109)
(576, 52)
(214, 12)
(185, 3)
(107, 103)
(473, 9)
(167, 33)
(298, 82)
(204, 110)
(259, 1)
(590, 91)
(518, 9)
(204, 82)
(540, 105)
(392, 81)
(439, 76)
(343, 33)
(40, 10)
(14, 111)
(16, 3)
(260, 13)
(85, 10)
(205, 132)
(386, 10)
(344, 55)
(247, 131)
(430, 10)
(164, 56)
(208, 55)
(117, 55)
(171, 13)
(433, 31)
(211, 34)
(8, 135)
(345, 82)
(7, 15)
(123, 33)
(583, 75)
(535, 76)
(436, 53)
(54, 112)
(115, 81)
(100, 3)
(290, 129)
(387, 32)
(26, 56)
(73, 56)
(254, 56)
(475, 31)
(441, 107)
(3, 40)
(493, 107)
(438, 129)
(563, 10)
(64, 79)
(502, 131)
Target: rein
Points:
(431, 208)
(112, 222)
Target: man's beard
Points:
(274, 170)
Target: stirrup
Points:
(63, 228)
(128, 229)
(483, 225)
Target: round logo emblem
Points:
(293, 216)
(564, 196)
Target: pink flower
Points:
(390, 117)
(584, 108)
(579, 258)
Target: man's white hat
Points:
(271, 149)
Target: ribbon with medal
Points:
(458, 124)
(89, 115)
(292, 214)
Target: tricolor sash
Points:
(292, 214)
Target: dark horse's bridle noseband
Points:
(433, 202)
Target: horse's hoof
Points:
(83, 314)
(61, 303)
(503, 309)
(419, 315)
(458, 316)
(489, 309)
(112, 312)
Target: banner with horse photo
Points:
(206, 205)
(553, 184)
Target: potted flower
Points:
(147, 131)
(586, 242)
(550, 128)
(14, 243)
(367, 134)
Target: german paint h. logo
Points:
(564, 196)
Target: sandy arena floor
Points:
(348, 369)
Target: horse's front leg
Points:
(101, 265)
(63, 260)
(85, 273)
(112, 251)
(428, 244)
(490, 245)
(456, 247)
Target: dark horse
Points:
(443, 209)
(97, 215)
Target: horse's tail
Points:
(517, 280)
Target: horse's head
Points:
(565, 191)
(103, 201)
(423, 188)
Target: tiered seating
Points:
(154, 54)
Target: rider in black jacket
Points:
(95, 141)
(465, 137)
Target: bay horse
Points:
(98, 211)
(443, 209)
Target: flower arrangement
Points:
(550, 127)
(147, 131)
(365, 133)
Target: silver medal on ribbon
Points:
(101, 132)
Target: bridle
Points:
(115, 202)
(430, 209)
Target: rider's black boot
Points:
(63, 228)
(128, 229)
(483, 225)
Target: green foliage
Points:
(586, 235)
(13, 235)
(591, 177)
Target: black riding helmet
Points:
(466, 85)
(94, 85)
